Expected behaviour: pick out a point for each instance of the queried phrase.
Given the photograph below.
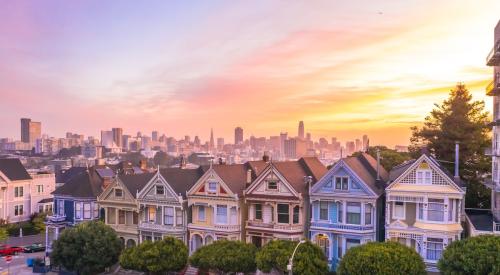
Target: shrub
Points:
(225, 257)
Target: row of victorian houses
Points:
(418, 203)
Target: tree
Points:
(163, 159)
(388, 157)
(459, 119)
(381, 258)
(476, 255)
(167, 255)
(38, 221)
(225, 257)
(4, 235)
(309, 259)
(88, 248)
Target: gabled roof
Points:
(181, 180)
(365, 167)
(13, 169)
(233, 175)
(399, 169)
(135, 183)
(87, 184)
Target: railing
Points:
(494, 51)
(343, 226)
(129, 228)
(39, 176)
(158, 227)
(56, 218)
(496, 227)
(276, 226)
(227, 227)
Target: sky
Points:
(346, 68)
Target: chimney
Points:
(249, 177)
(457, 150)
(265, 158)
(142, 164)
(378, 163)
(182, 164)
(221, 161)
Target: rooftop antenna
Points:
(378, 163)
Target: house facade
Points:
(217, 207)
(20, 192)
(278, 200)
(163, 205)
(424, 207)
(347, 206)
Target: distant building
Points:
(212, 142)
(401, 148)
(154, 135)
(238, 136)
(301, 129)
(365, 143)
(107, 139)
(295, 148)
(117, 137)
(30, 131)
(220, 144)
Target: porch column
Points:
(344, 212)
(388, 212)
(174, 223)
(363, 213)
(57, 233)
(46, 237)
(228, 215)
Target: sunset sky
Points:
(345, 68)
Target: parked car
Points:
(10, 250)
(36, 247)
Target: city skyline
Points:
(79, 71)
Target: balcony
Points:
(216, 227)
(275, 226)
(125, 228)
(493, 89)
(493, 58)
(56, 218)
(344, 227)
(159, 227)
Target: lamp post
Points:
(290, 261)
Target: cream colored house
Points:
(424, 207)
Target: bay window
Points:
(368, 214)
(121, 216)
(353, 213)
(151, 214)
(178, 217)
(399, 210)
(296, 213)
(201, 213)
(258, 211)
(60, 207)
(435, 210)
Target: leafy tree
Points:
(459, 119)
(163, 159)
(388, 157)
(38, 221)
(381, 259)
(4, 235)
(476, 255)
(225, 257)
(88, 248)
(167, 255)
(309, 259)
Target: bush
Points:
(167, 255)
(225, 257)
(381, 258)
(309, 259)
(476, 255)
(88, 248)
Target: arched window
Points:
(324, 243)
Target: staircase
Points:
(191, 271)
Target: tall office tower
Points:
(212, 143)
(154, 135)
(238, 136)
(301, 129)
(117, 137)
(107, 139)
(359, 145)
(30, 131)
(25, 130)
(283, 137)
(295, 148)
(365, 143)
(493, 89)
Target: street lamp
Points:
(290, 261)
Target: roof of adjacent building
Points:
(135, 182)
(233, 175)
(46, 200)
(181, 180)
(66, 175)
(87, 184)
(13, 169)
(365, 167)
(482, 220)
(295, 171)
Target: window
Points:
(78, 210)
(95, 208)
(342, 183)
(272, 185)
(18, 191)
(323, 243)
(86, 211)
(450, 210)
(178, 217)
(368, 214)
(435, 210)
(353, 213)
(160, 190)
(434, 248)
(222, 214)
(40, 208)
(201, 213)
(118, 193)
(340, 211)
(323, 210)
(351, 243)
(424, 176)
(296, 214)
(399, 210)
(283, 213)
(212, 186)
(152, 214)
(60, 207)
(169, 215)
(121, 217)
(420, 211)
(18, 210)
(258, 211)
(39, 189)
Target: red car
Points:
(10, 250)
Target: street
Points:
(18, 264)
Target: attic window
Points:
(212, 186)
(342, 183)
(118, 193)
(272, 185)
(160, 190)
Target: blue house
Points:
(347, 206)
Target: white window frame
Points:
(369, 206)
(179, 217)
(201, 217)
(272, 181)
(221, 218)
(327, 211)
(39, 188)
(210, 190)
(78, 210)
(168, 213)
(60, 207)
(18, 210)
(118, 189)
(162, 187)
(347, 212)
(342, 178)
(394, 211)
(423, 176)
(87, 211)
(95, 210)
(18, 191)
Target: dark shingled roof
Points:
(181, 180)
(400, 169)
(135, 183)
(87, 184)
(481, 219)
(47, 200)
(66, 175)
(14, 169)
(365, 167)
